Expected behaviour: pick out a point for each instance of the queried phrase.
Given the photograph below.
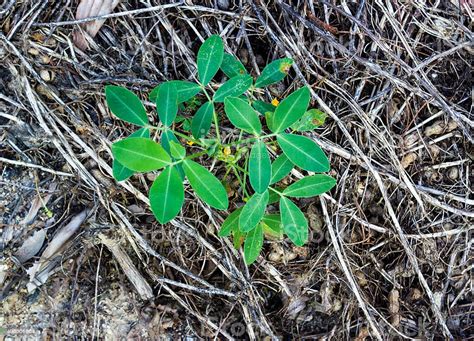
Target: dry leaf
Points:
(87, 9)
(41, 269)
(31, 246)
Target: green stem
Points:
(189, 157)
(184, 136)
(237, 167)
(214, 115)
(250, 139)
(276, 191)
(239, 179)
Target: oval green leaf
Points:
(230, 224)
(119, 171)
(235, 86)
(232, 67)
(242, 115)
(253, 244)
(290, 110)
(167, 103)
(140, 154)
(209, 58)
(125, 105)
(259, 167)
(303, 152)
(274, 72)
(167, 195)
(310, 186)
(185, 90)
(281, 167)
(177, 151)
(253, 211)
(167, 137)
(205, 185)
(294, 222)
(202, 120)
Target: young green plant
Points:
(260, 127)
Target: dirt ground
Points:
(391, 250)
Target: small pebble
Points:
(434, 151)
(416, 294)
(151, 176)
(45, 75)
(360, 276)
(453, 173)
(408, 160)
(223, 4)
(337, 305)
(45, 59)
(33, 52)
(410, 139)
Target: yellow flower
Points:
(227, 151)
(189, 143)
(275, 102)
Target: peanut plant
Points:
(186, 142)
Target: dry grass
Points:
(391, 254)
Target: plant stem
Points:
(189, 157)
(214, 115)
(186, 137)
(239, 179)
(237, 167)
(250, 139)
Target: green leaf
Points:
(311, 119)
(206, 185)
(167, 137)
(202, 120)
(230, 223)
(253, 244)
(294, 222)
(187, 124)
(209, 58)
(231, 66)
(274, 196)
(281, 167)
(290, 110)
(259, 167)
(185, 90)
(263, 107)
(242, 115)
(167, 195)
(274, 72)
(272, 225)
(119, 171)
(140, 154)
(303, 152)
(269, 119)
(125, 105)
(235, 86)
(177, 151)
(253, 211)
(310, 186)
(167, 103)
